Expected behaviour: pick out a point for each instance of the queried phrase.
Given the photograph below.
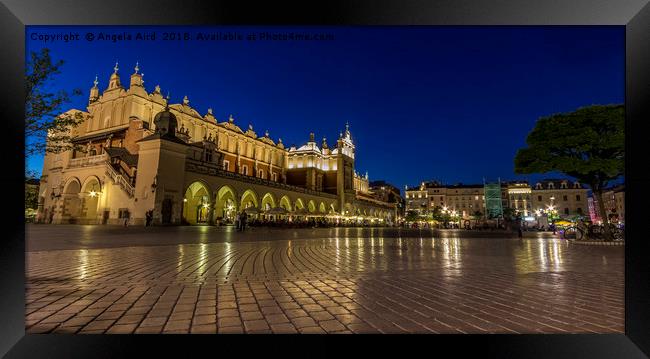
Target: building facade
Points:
(566, 197)
(614, 200)
(135, 152)
(388, 193)
(465, 200)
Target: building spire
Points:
(136, 67)
(115, 68)
(94, 92)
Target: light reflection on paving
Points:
(317, 285)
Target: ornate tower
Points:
(94, 92)
(114, 80)
(161, 158)
(345, 169)
(136, 78)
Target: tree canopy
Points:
(587, 144)
(43, 118)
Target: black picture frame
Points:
(633, 14)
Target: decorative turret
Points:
(324, 145)
(280, 144)
(186, 101)
(209, 116)
(114, 80)
(344, 143)
(311, 137)
(250, 132)
(94, 92)
(136, 78)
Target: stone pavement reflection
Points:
(180, 280)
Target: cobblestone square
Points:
(201, 279)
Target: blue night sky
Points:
(447, 103)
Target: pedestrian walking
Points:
(149, 217)
(238, 221)
(244, 217)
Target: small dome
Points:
(165, 122)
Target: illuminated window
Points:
(244, 170)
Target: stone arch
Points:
(72, 186)
(196, 203)
(248, 199)
(333, 207)
(285, 203)
(299, 204)
(71, 209)
(90, 195)
(226, 204)
(321, 208)
(268, 202)
(311, 206)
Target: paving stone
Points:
(450, 283)
(283, 328)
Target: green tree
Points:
(587, 144)
(412, 216)
(436, 214)
(508, 213)
(43, 118)
(31, 194)
(477, 215)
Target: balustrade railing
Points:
(88, 161)
(120, 180)
(215, 170)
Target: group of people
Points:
(240, 221)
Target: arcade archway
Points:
(196, 204)
(226, 204)
(90, 194)
(71, 201)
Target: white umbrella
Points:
(277, 210)
(252, 210)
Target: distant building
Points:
(519, 198)
(614, 199)
(465, 199)
(388, 193)
(569, 198)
